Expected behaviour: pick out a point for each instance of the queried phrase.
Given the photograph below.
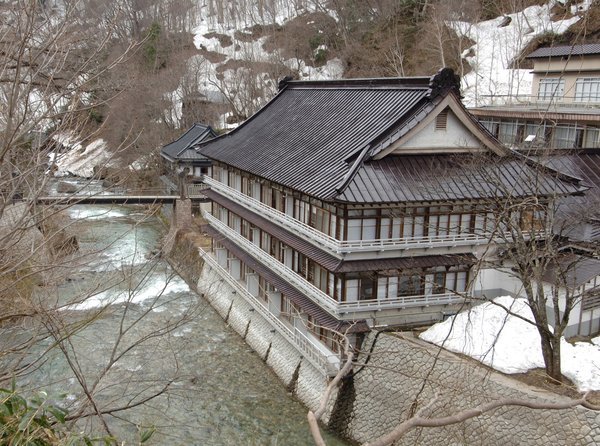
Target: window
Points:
(439, 282)
(567, 136)
(327, 337)
(551, 88)
(263, 289)
(592, 138)
(410, 285)
(367, 288)
(491, 125)
(587, 89)
(511, 132)
(289, 310)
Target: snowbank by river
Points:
(511, 345)
(79, 160)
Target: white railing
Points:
(339, 310)
(280, 217)
(196, 190)
(400, 302)
(327, 364)
(548, 103)
(330, 362)
(411, 242)
(294, 279)
(334, 245)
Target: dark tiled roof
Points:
(585, 166)
(181, 149)
(576, 270)
(322, 138)
(595, 231)
(565, 50)
(406, 263)
(304, 136)
(449, 177)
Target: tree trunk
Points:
(551, 353)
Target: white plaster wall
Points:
(495, 281)
(455, 136)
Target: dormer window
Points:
(441, 120)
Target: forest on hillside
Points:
(136, 73)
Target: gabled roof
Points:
(565, 50)
(340, 140)
(181, 149)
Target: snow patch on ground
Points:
(492, 81)
(511, 345)
(78, 160)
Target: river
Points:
(140, 328)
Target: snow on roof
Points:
(509, 344)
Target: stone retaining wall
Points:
(400, 366)
(298, 374)
(399, 369)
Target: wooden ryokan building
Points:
(350, 204)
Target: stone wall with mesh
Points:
(402, 371)
(298, 374)
(398, 373)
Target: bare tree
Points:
(52, 62)
(422, 413)
(530, 242)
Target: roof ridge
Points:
(378, 82)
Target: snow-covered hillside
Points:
(491, 80)
(228, 36)
(228, 41)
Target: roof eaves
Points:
(198, 140)
(555, 172)
(565, 50)
(353, 170)
(404, 125)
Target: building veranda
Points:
(352, 204)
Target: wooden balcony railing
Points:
(340, 247)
